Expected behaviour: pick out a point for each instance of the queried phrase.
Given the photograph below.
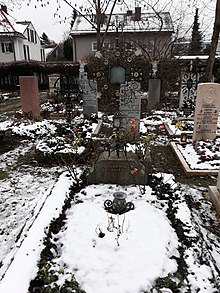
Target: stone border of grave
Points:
(173, 135)
(214, 197)
(185, 166)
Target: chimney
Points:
(137, 14)
(4, 8)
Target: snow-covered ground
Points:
(170, 230)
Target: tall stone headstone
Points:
(130, 104)
(153, 93)
(54, 83)
(206, 111)
(29, 95)
(89, 89)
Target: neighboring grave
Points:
(153, 93)
(29, 95)
(54, 83)
(113, 169)
(206, 111)
(214, 194)
(130, 104)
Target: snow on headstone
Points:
(206, 111)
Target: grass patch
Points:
(3, 175)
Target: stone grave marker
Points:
(90, 102)
(153, 93)
(54, 83)
(214, 194)
(29, 95)
(113, 169)
(130, 104)
(206, 111)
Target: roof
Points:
(149, 22)
(9, 26)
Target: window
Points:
(31, 35)
(26, 52)
(7, 48)
(94, 46)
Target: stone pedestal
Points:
(122, 170)
(154, 93)
(29, 95)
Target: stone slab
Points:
(111, 169)
(29, 95)
(214, 196)
(185, 166)
(206, 111)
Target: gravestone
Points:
(54, 83)
(29, 95)
(90, 102)
(153, 93)
(214, 194)
(130, 104)
(113, 169)
(206, 111)
(187, 88)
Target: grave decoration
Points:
(192, 70)
(69, 88)
(118, 205)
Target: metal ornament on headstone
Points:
(206, 111)
(54, 83)
(188, 88)
(130, 104)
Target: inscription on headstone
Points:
(130, 104)
(206, 111)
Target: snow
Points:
(137, 248)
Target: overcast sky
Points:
(44, 21)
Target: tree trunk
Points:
(214, 43)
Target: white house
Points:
(19, 40)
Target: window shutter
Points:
(3, 48)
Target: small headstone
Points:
(154, 93)
(130, 105)
(113, 169)
(206, 111)
(29, 95)
(54, 83)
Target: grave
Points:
(124, 169)
(214, 194)
(206, 111)
(54, 83)
(130, 105)
(29, 95)
(154, 93)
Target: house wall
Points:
(156, 45)
(18, 44)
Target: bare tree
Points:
(214, 43)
